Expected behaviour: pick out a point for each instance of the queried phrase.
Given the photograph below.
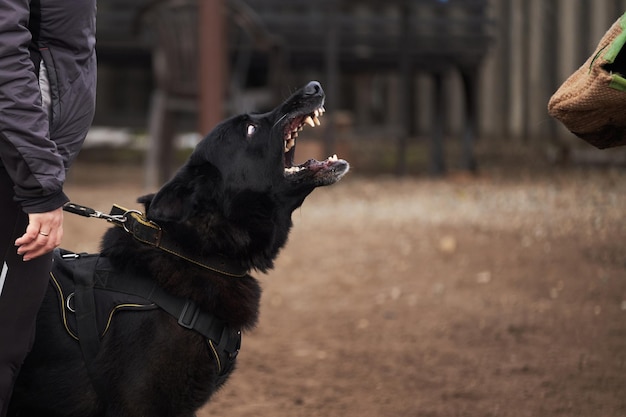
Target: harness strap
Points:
(87, 326)
(225, 341)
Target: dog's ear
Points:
(170, 203)
(146, 200)
(194, 187)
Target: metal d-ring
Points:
(68, 303)
(125, 217)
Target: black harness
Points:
(91, 291)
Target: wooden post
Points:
(405, 85)
(212, 63)
(332, 77)
(439, 116)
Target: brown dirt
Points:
(497, 295)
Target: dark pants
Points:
(22, 288)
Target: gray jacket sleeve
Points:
(35, 148)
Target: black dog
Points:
(233, 197)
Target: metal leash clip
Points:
(89, 212)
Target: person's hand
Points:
(43, 234)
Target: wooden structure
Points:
(346, 37)
(189, 67)
(339, 38)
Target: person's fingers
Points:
(32, 230)
(41, 245)
(44, 244)
(43, 233)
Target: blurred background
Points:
(402, 77)
(472, 263)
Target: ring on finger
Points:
(44, 234)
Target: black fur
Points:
(233, 197)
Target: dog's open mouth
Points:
(297, 124)
(324, 172)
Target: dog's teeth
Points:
(316, 112)
(292, 170)
(309, 121)
(295, 135)
(300, 128)
(333, 158)
(316, 121)
(322, 110)
(288, 144)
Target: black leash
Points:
(150, 233)
(89, 212)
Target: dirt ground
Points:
(497, 295)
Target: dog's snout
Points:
(313, 89)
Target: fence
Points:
(539, 43)
(536, 45)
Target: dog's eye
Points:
(250, 130)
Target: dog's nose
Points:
(313, 89)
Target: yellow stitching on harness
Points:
(118, 307)
(217, 358)
(62, 302)
(108, 325)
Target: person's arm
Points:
(26, 151)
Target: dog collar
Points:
(150, 233)
(146, 231)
